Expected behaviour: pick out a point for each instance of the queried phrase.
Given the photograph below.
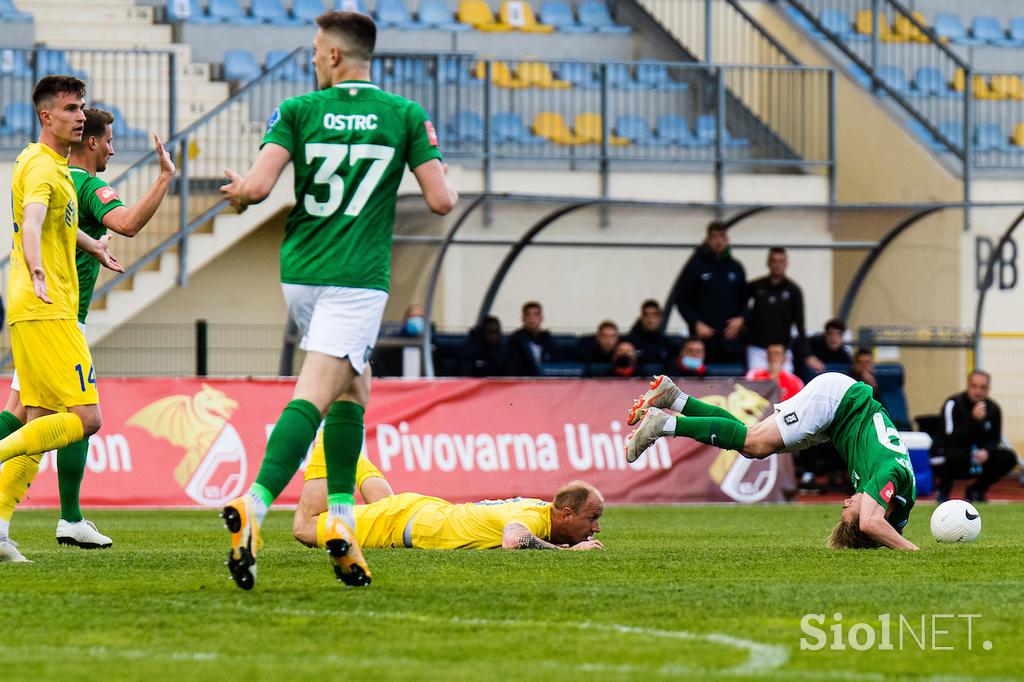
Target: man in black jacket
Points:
(529, 347)
(971, 441)
(711, 296)
(652, 345)
(775, 304)
(597, 349)
(484, 353)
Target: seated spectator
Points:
(624, 360)
(649, 339)
(690, 362)
(529, 347)
(484, 354)
(827, 348)
(597, 348)
(388, 361)
(972, 441)
(789, 383)
(413, 321)
(863, 369)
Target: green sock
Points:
(8, 424)
(70, 470)
(727, 434)
(294, 431)
(697, 408)
(343, 439)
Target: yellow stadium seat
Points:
(885, 33)
(477, 13)
(538, 74)
(1018, 135)
(519, 15)
(589, 130)
(905, 28)
(979, 87)
(501, 75)
(551, 125)
(1007, 86)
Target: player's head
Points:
(60, 104)
(777, 262)
(978, 384)
(718, 238)
(847, 533)
(97, 138)
(343, 42)
(576, 513)
(533, 316)
(650, 315)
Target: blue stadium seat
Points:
(726, 371)
(436, 14)
(562, 369)
(352, 6)
(595, 14)
(273, 12)
(949, 26)
(466, 126)
(953, 131)
(706, 130)
(412, 70)
(673, 129)
(508, 127)
(196, 15)
(230, 11)
(1017, 30)
(19, 117)
(308, 10)
(121, 129)
(457, 71)
(991, 31)
(294, 71)
(395, 14)
(580, 74)
(894, 77)
(653, 74)
(635, 129)
(929, 81)
(989, 137)
(12, 15)
(14, 63)
(890, 385)
(925, 136)
(837, 21)
(56, 62)
(559, 14)
(240, 65)
(621, 76)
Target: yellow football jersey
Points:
(478, 525)
(41, 176)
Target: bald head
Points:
(575, 495)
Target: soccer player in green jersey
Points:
(99, 209)
(349, 144)
(831, 407)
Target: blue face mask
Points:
(413, 326)
(691, 363)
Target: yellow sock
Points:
(321, 530)
(51, 432)
(365, 469)
(15, 477)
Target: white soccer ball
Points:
(956, 521)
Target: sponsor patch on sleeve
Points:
(275, 115)
(431, 133)
(106, 194)
(888, 491)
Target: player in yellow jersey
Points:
(419, 521)
(58, 382)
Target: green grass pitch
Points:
(678, 593)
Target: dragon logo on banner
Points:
(213, 469)
(742, 479)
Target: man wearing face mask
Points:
(623, 360)
(690, 362)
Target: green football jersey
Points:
(95, 199)
(877, 459)
(349, 144)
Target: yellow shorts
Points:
(54, 364)
(317, 467)
(382, 524)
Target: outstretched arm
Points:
(100, 250)
(128, 220)
(518, 536)
(872, 522)
(255, 186)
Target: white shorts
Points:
(16, 385)
(342, 322)
(802, 419)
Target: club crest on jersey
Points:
(431, 133)
(106, 194)
(888, 491)
(791, 418)
(275, 116)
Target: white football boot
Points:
(81, 534)
(9, 552)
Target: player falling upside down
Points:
(418, 521)
(831, 407)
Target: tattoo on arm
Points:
(519, 537)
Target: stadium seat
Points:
(120, 126)
(590, 130)
(837, 21)
(1006, 86)
(890, 385)
(352, 6)
(456, 71)
(435, 14)
(653, 74)
(519, 15)
(1016, 32)
(949, 27)
(477, 13)
(551, 126)
(595, 14)
(12, 15)
(307, 10)
(196, 14)
(538, 75)
(580, 74)
(706, 130)
(273, 12)
(620, 76)
(989, 137)
(559, 14)
(905, 28)
(508, 127)
(675, 129)
(989, 29)
(885, 32)
(240, 65)
(562, 369)
(1018, 136)
(56, 61)
(634, 128)
(926, 136)
(294, 71)
(894, 78)
(953, 131)
(501, 75)
(14, 63)
(725, 370)
(928, 81)
(467, 126)
(230, 11)
(412, 70)
(979, 86)
(19, 117)
(395, 14)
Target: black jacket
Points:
(772, 311)
(819, 349)
(590, 352)
(711, 289)
(482, 360)
(961, 430)
(521, 361)
(651, 347)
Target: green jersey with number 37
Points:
(349, 144)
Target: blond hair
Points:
(848, 535)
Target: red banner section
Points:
(193, 442)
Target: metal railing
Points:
(139, 86)
(997, 136)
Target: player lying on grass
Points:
(415, 520)
(831, 407)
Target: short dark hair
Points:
(606, 324)
(777, 249)
(835, 323)
(49, 87)
(650, 303)
(863, 351)
(96, 122)
(979, 372)
(355, 28)
(715, 226)
(532, 304)
(693, 339)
